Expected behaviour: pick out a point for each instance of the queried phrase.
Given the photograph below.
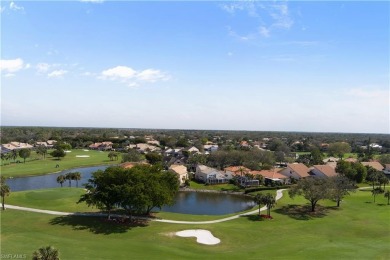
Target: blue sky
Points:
(242, 65)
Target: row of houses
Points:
(15, 146)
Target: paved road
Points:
(279, 194)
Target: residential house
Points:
(181, 172)
(209, 148)
(48, 144)
(236, 170)
(103, 146)
(129, 165)
(193, 149)
(145, 148)
(15, 146)
(296, 171)
(387, 169)
(376, 165)
(272, 176)
(210, 175)
(323, 171)
(173, 152)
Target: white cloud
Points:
(133, 77)
(42, 67)
(2, 9)
(151, 75)
(268, 17)
(264, 31)
(15, 7)
(11, 65)
(119, 72)
(57, 73)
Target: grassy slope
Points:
(38, 167)
(358, 230)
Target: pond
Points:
(195, 203)
(50, 180)
(208, 203)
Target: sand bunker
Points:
(86, 150)
(67, 151)
(202, 236)
(82, 156)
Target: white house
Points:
(210, 175)
(181, 172)
(210, 147)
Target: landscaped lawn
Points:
(35, 166)
(218, 187)
(358, 230)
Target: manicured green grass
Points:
(58, 199)
(35, 166)
(358, 230)
(218, 187)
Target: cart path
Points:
(279, 194)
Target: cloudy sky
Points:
(279, 66)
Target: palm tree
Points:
(387, 195)
(69, 177)
(270, 202)
(14, 155)
(61, 179)
(76, 176)
(375, 192)
(4, 190)
(46, 253)
(258, 199)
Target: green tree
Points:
(76, 176)
(312, 189)
(4, 190)
(373, 176)
(258, 199)
(341, 186)
(58, 153)
(103, 191)
(154, 157)
(46, 253)
(61, 179)
(316, 157)
(69, 176)
(132, 156)
(384, 159)
(269, 201)
(14, 155)
(383, 180)
(24, 153)
(376, 191)
(113, 155)
(41, 150)
(339, 149)
(387, 195)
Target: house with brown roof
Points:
(129, 165)
(103, 146)
(296, 171)
(272, 176)
(181, 172)
(16, 146)
(323, 171)
(376, 165)
(236, 170)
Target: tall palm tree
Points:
(69, 177)
(4, 190)
(77, 176)
(61, 179)
(270, 202)
(46, 253)
(387, 195)
(258, 199)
